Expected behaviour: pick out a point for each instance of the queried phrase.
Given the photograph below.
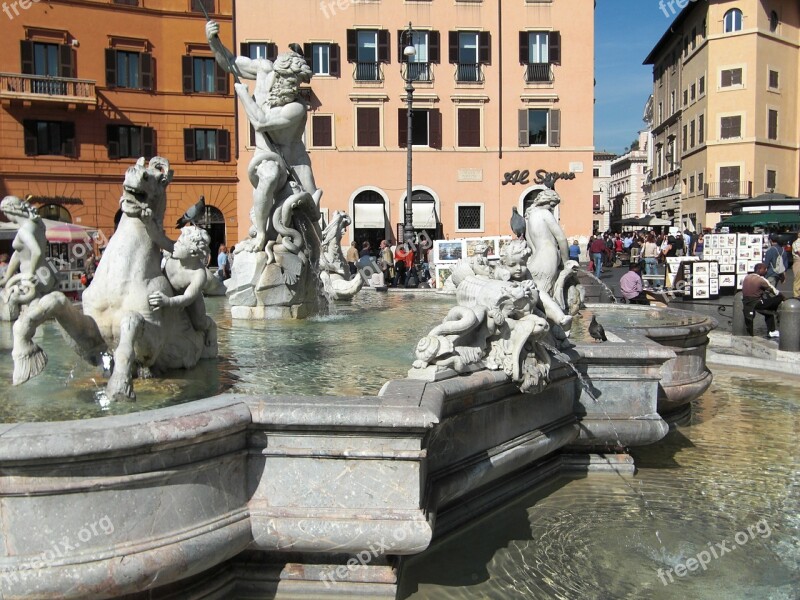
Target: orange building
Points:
(500, 88)
(88, 86)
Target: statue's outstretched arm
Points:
(224, 57)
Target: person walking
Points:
(796, 266)
(386, 262)
(650, 254)
(575, 251)
(223, 271)
(598, 250)
(352, 257)
(777, 262)
(759, 295)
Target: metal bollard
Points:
(789, 316)
(738, 326)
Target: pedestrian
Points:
(759, 295)
(222, 263)
(404, 262)
(365, 249)
(650, 254)
(386, 262)
(598, 250)
(796, 266)
(632, 287)
(352, 257)
(777, 262)
(574, 251)
(698, 247)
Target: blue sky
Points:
(625, 32)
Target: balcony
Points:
(538, 73)
(48, 89)
(729, 190)
(419, 71)
(368, 71)
(469, 73)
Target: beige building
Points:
(626, 182)
(601, 190)
(502, 90)
(726, 108)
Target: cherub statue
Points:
(185, 268)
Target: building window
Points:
(469, 50)
(426, 125)
(691, 184)
(691, 133)
(670, 154)
(701, 129)
(692, 92)
(47, 61)
(539, 127)
(130, 141)
(702, 86)
(469, 217)
(206, 144)
(730, 77)
(729, 182)
(322, 131)
(772, 124)
(260, 50)
(538, 50)
(368, 49)
(732, 21)
(694, 38)
(774, 79)
(198, 5)
(426, 52)
(469, 128)
(129, 69)
(202, 74)
(684, 138)
(323, 58)
(772, 180)
(595, 172)
(774, 21)
(731, 127)
(685, 97)
(672, 107)
(700, 183)
(368, 126)
(49, 138)
(660, 112)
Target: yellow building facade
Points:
(726, 108)
(501, 91)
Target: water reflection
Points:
(352, 352)
(733, 468)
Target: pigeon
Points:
(517, 222)
(596, 330)
(193, 213)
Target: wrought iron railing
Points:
(418, 71)
(40, 87)
(538, 72)
(468, 72)
(368, 71)
(729, 189)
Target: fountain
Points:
(303, 492)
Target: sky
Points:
(625, 32)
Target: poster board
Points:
(449, 251)
(736, 253)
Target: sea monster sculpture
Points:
(116, 315)
(339, 283)
(496, 325)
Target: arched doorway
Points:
(59, 252)
(55, 212)
(369, 219)
(214, 223)
(529, 198)
(425, 218)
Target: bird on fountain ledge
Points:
(517, 223)
(597, 331)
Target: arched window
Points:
(55, 212)
(529, 198)
(369, 220)
(774, 21)
(732, 21)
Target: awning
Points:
(765, 219)
(424, 215)
(8, 231)
(369, 216)
(55, 232)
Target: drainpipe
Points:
(500, 79)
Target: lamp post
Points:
(408, 226)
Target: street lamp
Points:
(408, 226)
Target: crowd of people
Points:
(397, 263)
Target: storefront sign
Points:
(541, 177)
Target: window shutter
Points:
(524, 52)
(402, 127)
(435, 128)
(401, 44)
(452, 39)
(484, 48)
(322, 135)
(26, 54)
(244, 49)
(554, 135)
(554, 47)
(368, 126)
(383, 46)
(223, 145)
(30, 138)
(67, 61)
(469, 127)
(111, 67)
(188, 84)
(522, 127)
(149, 142)
(308, 50)
(68, 142)
(221, 79)
(189, 153)
(334, 60)
(112, 141)
(146, 70)
(434, 53)
(272, 51)
(252, 136)
(352, 48)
